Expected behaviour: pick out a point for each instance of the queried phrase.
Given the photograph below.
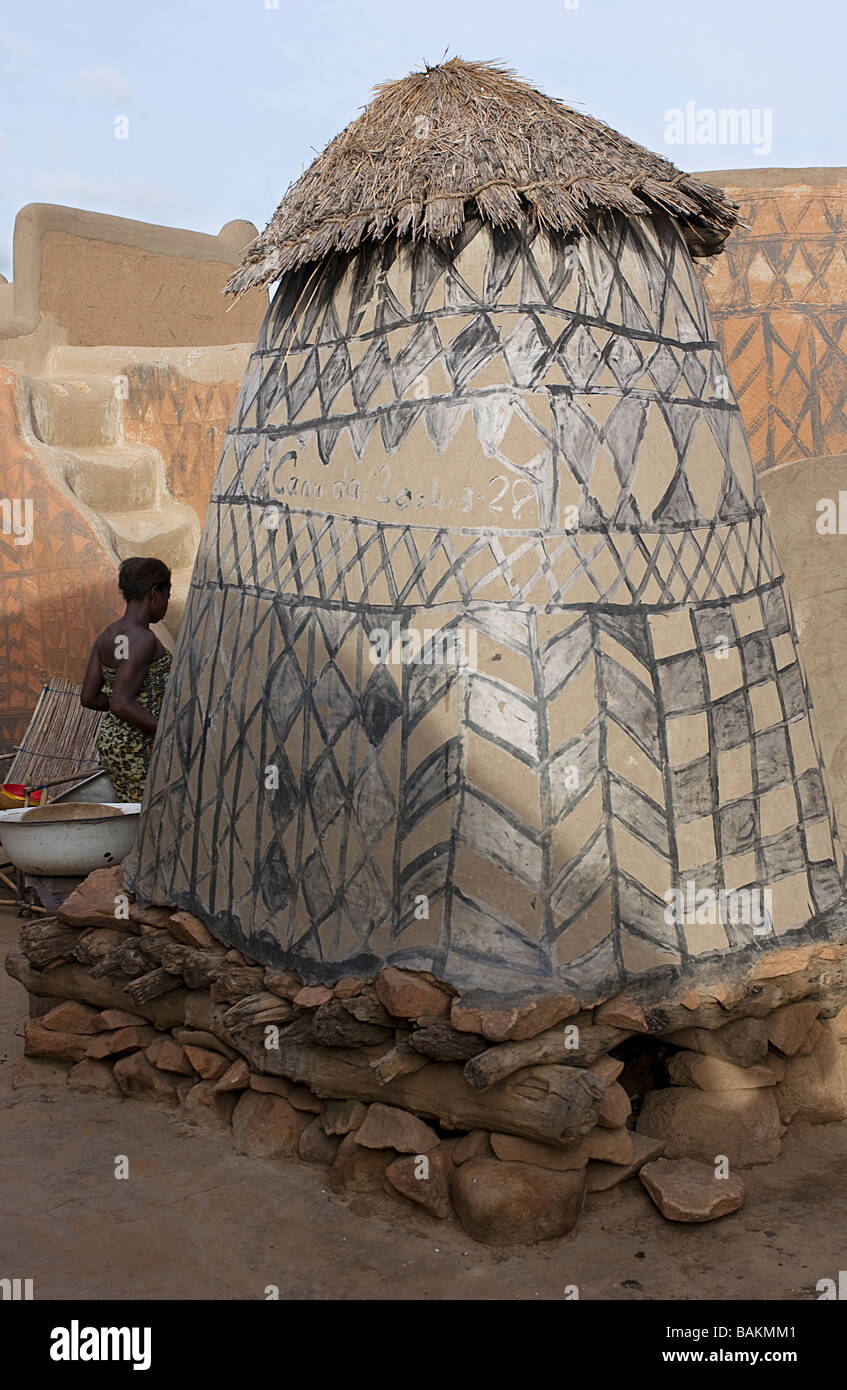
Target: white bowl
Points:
(72, 847)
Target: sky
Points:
(194, 112)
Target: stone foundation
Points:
(502, 1115)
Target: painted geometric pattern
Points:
(58, 591)
(635, 717)
(592, 399)
(348, 560)
(185, 420)
(544, 803)
(778, 296)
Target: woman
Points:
(126, 675)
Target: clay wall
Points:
(86, 279)
(58, 591)
(778, 297)
(114, 333)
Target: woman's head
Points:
(143, 577)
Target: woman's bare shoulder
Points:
(138, 642)
(104, 644)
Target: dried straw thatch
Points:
(467, 138)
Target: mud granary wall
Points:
(528, 439)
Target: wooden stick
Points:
(399, 1060)
(507, 1058)
(75, 982)
(557, 1105)
(150, 986)
(48, 942)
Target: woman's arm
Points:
(92, 695)
(129, 679)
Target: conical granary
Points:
(488, 667)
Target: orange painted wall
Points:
(778, 296)
(185, 420)
(58, 593)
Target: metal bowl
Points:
(69, 847)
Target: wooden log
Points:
(124, 962)
(557, 1105)
(334, 1026)
(172, 955)
(92, 946)
(73, 981)
(234, 981)
(507, 1058)
(298, 1029)
(667, 1017)
(263, 1007)
(48, 942)
(198, 967)
(823, 976)
(198, 1007)
(398, 1061)
(152, 942)
(442, 1043)
(151, 985)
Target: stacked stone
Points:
(506, 1115)
(735, 1088)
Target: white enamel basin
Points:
(72, 847)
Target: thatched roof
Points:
(471, 138)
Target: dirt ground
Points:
(196, 1220)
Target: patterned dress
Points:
(124, 750)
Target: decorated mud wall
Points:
(58, 584)
(530, 443)
(123, 369)
(778, 298)
(185, 418)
